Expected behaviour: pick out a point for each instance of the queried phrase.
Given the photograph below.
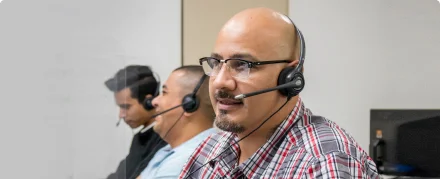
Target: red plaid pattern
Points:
(303, 146)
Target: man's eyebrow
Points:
(216, 55)
(164, 86)
(244, 56)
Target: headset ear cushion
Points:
(290, 75)
(283, 79)
(148, 104)
(191, 103)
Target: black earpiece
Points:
(148, 102)
(290, 80)
(290, 75)
(293, 75)
(190, 101)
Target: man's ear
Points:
(186, 114)
(294, 64)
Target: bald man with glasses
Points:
(272, 134)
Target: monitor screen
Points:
(409, 137)
(418, 145)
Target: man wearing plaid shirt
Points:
(269, 135)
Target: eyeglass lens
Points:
(238, 68)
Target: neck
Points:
(250, 144)
(189, 129)
(148, 122)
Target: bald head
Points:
(189, 78)
(260, 30)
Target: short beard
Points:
(224, 124)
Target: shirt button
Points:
(212, 164)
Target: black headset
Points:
(290, 80)
(148, 102)
(190, 101)
(293, 74)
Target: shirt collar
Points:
(147, 128)
(229, 156)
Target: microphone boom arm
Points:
(296, 84)
(160, 113)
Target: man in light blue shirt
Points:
(183, 128)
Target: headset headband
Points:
(302, 48)
(157, 77)
(199, 84)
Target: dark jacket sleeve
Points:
(120, 171)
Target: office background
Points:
(58, 119)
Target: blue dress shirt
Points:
(167, 163)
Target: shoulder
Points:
(321, 136)
(213, 143)
(333, 151)
(342, 165)
(147, 142)
(173, 165)
(148, 138)
(207, 150)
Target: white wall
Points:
(369, 54)
(58, 119)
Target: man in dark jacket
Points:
(134, 87)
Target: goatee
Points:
(224, 124)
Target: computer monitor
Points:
(408, 138)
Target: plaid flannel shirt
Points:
(303, 146)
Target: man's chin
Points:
(229, 125)
(132, 124)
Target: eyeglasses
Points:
(237, 67)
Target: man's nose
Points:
(122, 113)
(223, 79)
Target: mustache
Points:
(222, 94)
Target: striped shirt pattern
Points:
(303, 146)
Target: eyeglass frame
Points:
(302, 54)
(249, 63)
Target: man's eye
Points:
(239, 65)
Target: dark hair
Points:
(138, 78)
